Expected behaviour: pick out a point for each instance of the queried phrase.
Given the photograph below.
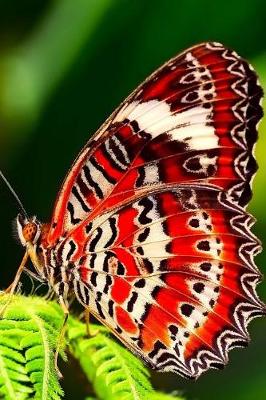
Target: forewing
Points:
(172, 274)
(193, 120)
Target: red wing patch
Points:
(152, 219)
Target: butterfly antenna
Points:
(14, 194)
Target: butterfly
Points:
(149, 230)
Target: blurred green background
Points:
(64, 66)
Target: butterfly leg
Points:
(33, 275)
(61, 335)
(87, 322)
(11, 289)
(50, 294)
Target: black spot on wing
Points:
(147, 205)
(80, 199)
(92, 183)
(143, 235)
(132, 301)
(73, 220)
(72, 249)
(96, 239)
(112, 222)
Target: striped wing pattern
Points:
(172, 273)
(151, 217)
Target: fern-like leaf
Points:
(115, 373)
(28, 335)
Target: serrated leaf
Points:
(114, 372)
(28, 333)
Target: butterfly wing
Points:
(172, 274)
(194, 120)
(151, 215)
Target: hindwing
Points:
(172, 274)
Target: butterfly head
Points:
(29, 229)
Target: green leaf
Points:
(28, 335)
(114, 372)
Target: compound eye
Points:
(22, 221)
(29, 232)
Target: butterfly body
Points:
(149, 230)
